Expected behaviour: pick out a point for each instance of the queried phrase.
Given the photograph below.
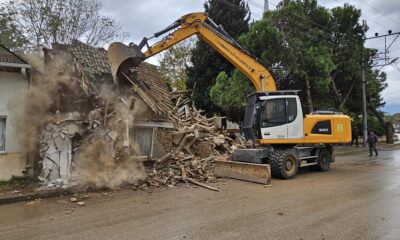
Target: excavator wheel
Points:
(284, 163)
(324, 161)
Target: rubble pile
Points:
(196, 134)
(195, 143)
(174, 168)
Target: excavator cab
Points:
(273, 115)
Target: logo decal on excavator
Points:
(340, 127)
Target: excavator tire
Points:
(284, 163)
(324, 161)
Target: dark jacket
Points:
(372, 139)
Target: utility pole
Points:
(387, 61)
(266, 6)
(364, 94)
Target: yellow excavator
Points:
(285, 139)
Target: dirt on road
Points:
(358, 199)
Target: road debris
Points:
(34, 201)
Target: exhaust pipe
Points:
(122, 58)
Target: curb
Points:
(32, 196)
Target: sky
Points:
(143, 18)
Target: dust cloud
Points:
(103, 150)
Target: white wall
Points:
(13, 104)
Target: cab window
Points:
(274, 113)
(279, 111)
(291, 109)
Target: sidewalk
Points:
(347, 149)
(15, 196)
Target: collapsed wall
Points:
(92, 130)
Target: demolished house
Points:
(99, 132)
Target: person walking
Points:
(354, 136)
(372, 141)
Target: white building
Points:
(14, 86)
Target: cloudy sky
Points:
(143, 18)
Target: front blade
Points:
(258, 173)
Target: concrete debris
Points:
(56, 153)
(34, 201)
(73, 199)
(81, 203)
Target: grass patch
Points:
(14, 181)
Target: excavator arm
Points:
(122, 57)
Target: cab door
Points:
(273, 123)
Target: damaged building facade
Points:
(14, 86)
(97, 124)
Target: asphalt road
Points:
(358, 199)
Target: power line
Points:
(377, 23)
(295, 24)
(328, 31)
(238, 8)
(387, 17)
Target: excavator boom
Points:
(122, 57)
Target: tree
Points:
(10, 35)
(308, 60)
(60, 21)
(318, 51)
(207, 63)
(174, 63)
(230, 94)
(347, 42)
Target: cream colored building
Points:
(14, 86)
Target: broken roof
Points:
(149, 84)
(10, 59)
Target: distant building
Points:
(14, 86)
(396, 127)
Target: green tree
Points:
(10, 35)
(318, 51)
(174, 63)
(347, 44)
(230, 94)
(207, 63)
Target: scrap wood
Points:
(202, 185)
(183, 170)
(163, 158)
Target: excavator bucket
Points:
(251, 172)
(122, 58)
